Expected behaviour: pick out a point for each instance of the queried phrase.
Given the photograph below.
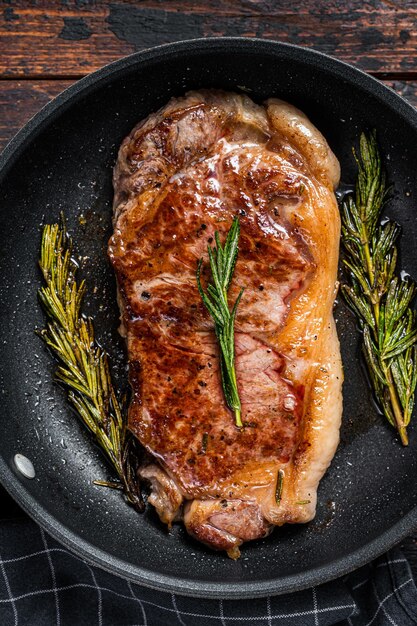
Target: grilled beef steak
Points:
(182, 174)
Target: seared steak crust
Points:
(182, 174)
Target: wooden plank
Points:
(44, 38)
(20, 100)
(406, 89)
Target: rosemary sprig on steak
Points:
(222, 265)
(380, 298)
(83, 366)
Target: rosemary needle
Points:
(279, 486)
(379, 297)
(83, 367)
(222, 265)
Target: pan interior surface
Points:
(63, 162)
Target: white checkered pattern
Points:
(43, 584)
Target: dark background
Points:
(45, 46)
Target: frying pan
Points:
(62, 161)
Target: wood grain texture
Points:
(20, 100)
(406, 89)
(43, 38)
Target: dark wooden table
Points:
(46, 45)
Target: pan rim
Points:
(58, 530)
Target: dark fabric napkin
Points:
(42, 584)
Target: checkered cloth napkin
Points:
(42, 584)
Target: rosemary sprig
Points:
(279, 486)
(222, 265)
(83, 366)
(379, 297)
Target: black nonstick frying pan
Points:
(62, 161)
